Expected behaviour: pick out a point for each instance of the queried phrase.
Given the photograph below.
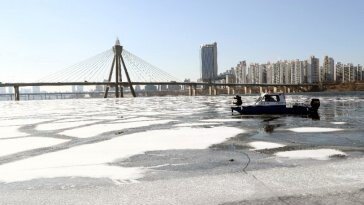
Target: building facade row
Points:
(294, 72)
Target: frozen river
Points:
(150, 146)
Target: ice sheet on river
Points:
(92, 160)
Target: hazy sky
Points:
(39, 37)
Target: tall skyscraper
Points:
(209, 62)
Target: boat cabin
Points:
(269, 99)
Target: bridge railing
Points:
(191, 85)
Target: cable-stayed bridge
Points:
(97, 69)
(117, 68)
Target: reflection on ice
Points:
(319, 154)
(314, 129)
(259, 145)
(92, 160)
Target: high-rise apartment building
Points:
(287, 72)
(2, 90)
(358, 73)
(338, 72)
(278, 72)
(261, 76)
(252, 73)
(305, 68)
(36, 89)
(240, 72)
(269, 73)
(313, 71)
(297, 72)
(209, 62)
(348, 73)
(77, 88)
(328, 69)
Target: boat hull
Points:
(277, 109)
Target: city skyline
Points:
(293, 72)
(40, 37)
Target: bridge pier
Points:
(285, 89)
(215, 90)
(260, 89)
(16, 93)
(192, 90)
(121, 91)
(228, 90)
(274, 89)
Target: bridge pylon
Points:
(117, 63)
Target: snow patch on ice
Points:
(314, 129)
(136, 119)
(62, 125)
(11, 131)
(27, 121)
(319, 154)
(222, 120)
(195, 124)
(338, 123)
(94, 130)
(149, 113)
(11, 146)
(93, 160)
(259, 145)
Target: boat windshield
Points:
(258, 100)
